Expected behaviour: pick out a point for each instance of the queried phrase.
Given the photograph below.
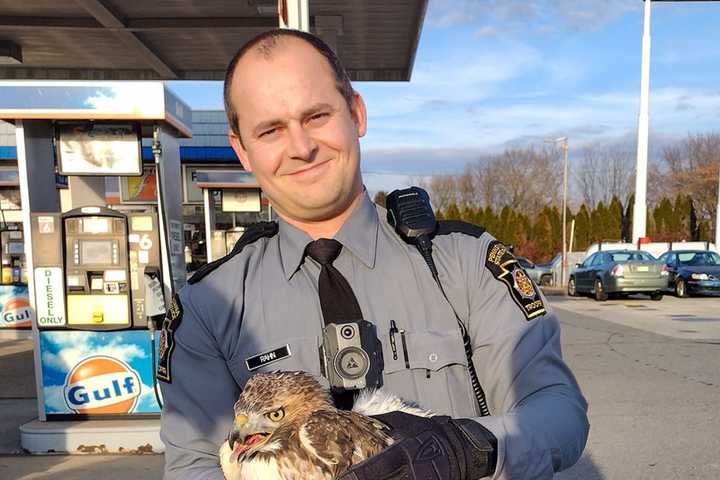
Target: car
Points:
(541, 274)
(618, 273)
(692, 272)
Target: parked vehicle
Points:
(694, 272)
(541, 274)
(619, 272)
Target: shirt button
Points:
(433, 357)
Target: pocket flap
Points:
(427, 350)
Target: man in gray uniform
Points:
(296, 124)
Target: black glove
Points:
(435, 448)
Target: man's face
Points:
(299, 137)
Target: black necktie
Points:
(337, 299)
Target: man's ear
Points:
(240, 151)
(359, 114)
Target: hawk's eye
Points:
(276, 415)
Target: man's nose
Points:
(300, 144)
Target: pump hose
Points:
(153, 359)
(424, 245)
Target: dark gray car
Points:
(618, 272)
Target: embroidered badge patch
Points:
(262, 359)
(505, 268)
(172, 320)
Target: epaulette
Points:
(252, 234)
(446, 227)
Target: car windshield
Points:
(629, 256)
(699, 258)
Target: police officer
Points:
(295, 123)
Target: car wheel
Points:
(572, 289)
(600, 294)
(546, 280)
(657, 296)
(680, 288)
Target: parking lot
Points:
(695, 318)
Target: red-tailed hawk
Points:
(286, 428)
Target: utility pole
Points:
(563, 141)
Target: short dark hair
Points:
(265, 43)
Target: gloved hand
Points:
(434, 448)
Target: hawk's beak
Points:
(236, 432)
(246, 437)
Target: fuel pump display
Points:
(97, 269)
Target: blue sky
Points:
(496, 73)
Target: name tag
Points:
(266, 358)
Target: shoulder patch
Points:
(254, 232)
(166, 342)
(506, 269)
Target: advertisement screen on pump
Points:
(97, 373)
(90, 148)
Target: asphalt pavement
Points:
(653, 397)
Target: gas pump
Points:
(15, 311)
(241, 203)
(13, 257)
(99, 272)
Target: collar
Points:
(358, 235)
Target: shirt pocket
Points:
(431, 370)
(295, 354)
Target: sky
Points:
(493, 74)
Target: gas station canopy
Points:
(193, 39)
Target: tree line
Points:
(517, 195)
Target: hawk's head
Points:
(268, 402)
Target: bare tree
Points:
(692, 169)
(604, 173)
(525, 179)
(442, 190)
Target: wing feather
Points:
(341, 439)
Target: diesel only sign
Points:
(49, 297)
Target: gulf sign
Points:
(16, 312)
(101, 385)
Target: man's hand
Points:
(435, 448)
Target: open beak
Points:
(244, 438)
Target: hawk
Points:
(286, 428)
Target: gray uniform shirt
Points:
(266, 297)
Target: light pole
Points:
(640, 207)
(563, 141)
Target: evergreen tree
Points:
(582, 229)
(490, 221)
(452, 212)
(598, 220)
(468, 214)
(614, 219)
(627, 221)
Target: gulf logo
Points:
(102, 384)
(17, 313)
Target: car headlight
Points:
(699, 276)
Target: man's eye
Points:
(268, 132)
(319, 117)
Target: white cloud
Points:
(55, 399)
(71, 354)
(523, 16)
(147, 400)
